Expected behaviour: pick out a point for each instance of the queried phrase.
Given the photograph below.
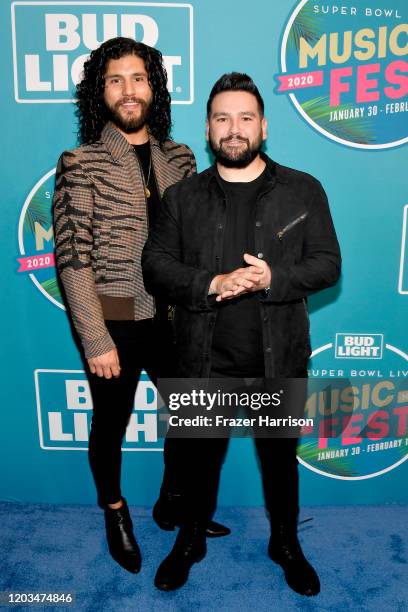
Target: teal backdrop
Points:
(344, 120)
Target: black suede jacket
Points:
(294, 234)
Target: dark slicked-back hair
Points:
(91, 110)
(235, 81)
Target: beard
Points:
(235, 157)
(129, 122)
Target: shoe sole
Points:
(217, 535)
(131, 571)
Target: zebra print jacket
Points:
(101, 226)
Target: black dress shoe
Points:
(284, 548)
(190, 547)
(167, 513)
(167, 510)
(216, 530)
(121, 541)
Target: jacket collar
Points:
(274, 172)
(117, 144)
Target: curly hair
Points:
(91, 109)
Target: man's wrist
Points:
(212, 290)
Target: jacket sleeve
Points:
(73, 213)
(164, 273)
(320, 265)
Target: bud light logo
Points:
(359, 346)
(64, 409)
(52, 40)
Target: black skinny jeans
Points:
(144, 344)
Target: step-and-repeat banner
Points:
(334, 77)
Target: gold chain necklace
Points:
(146, 181)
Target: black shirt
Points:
(143, 153)
(237, 348)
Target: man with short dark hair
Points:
(237, 249)
(107, 194)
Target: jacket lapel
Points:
(159, 162)
(123, 154)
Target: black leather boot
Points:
(167, 514)
(190, 547)
(167, 511)
(284, 548)
(121, 541)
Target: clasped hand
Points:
(255, 277)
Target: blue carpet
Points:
(360, 553)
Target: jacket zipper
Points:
(291, 224)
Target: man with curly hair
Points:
(107, 194)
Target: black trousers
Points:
(141, 345)
(199, 474)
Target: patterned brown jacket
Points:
(101, 226)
